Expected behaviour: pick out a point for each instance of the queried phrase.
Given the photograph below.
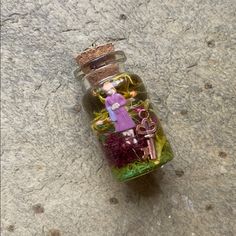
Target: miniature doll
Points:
(115, 105)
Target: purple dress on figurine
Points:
(120, 116)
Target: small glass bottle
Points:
(122, 116)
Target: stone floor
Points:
(54, 180)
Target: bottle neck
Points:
(98, 69)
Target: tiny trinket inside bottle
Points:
(122, 116)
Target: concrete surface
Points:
(54, 181)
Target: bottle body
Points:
(126, 126)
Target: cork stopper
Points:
(95, 75)
(93, 53)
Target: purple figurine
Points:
(115, 105)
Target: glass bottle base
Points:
(140, 168)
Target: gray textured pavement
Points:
(54, 180)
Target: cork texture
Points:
(102, 73)
(95, 52)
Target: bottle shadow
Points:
(147, 186)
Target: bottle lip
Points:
(99, 62)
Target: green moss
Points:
(133, 170)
